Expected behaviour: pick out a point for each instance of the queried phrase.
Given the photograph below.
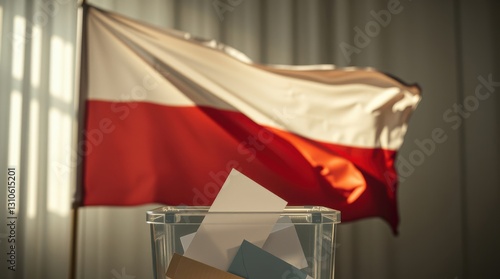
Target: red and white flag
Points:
(168, 116)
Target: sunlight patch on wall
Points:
(18, 40)
(33, 150)
(58, 179)
(1, 27)
(15, 118)
(36, 56)
(59, 183)
(69, 72)
(61, 72)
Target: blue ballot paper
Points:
(251, 262)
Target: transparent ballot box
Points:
(303, 237)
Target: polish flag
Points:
(169, 115)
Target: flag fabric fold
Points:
(168, 116)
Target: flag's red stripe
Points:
(137, 153)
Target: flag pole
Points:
(74, 243)
(80, 97)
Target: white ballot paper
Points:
(283, 242)
(221, 234)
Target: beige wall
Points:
(449, 198)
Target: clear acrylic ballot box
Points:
(315, 229)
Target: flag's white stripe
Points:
(368, 113)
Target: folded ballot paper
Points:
(181, 267)
(252, 262)
(247, 243)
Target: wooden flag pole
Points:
(74, 243)
(80, 95)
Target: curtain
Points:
(37, 55)
(448, 194)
